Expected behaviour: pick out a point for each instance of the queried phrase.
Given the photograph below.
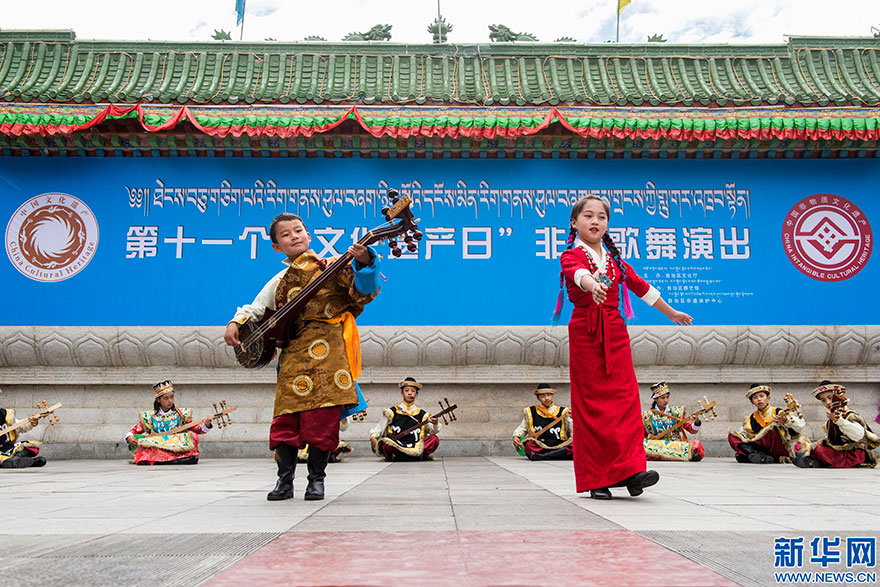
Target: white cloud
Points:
(680, 21)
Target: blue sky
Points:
(680, 21)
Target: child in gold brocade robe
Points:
(319, 367)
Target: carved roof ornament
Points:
(379, 32)
(499, 33)
(440, 29)
(565, 40)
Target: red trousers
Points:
(838, 459)
(318, 428)
(430, 445)
(770, 443)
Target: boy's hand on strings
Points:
(34, 420)
(231, 334)
(360, 253)
(599, 292)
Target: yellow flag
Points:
(621, 4)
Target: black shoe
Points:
(639, 481)
(17, 462)
(805, 462)
(741, 458)
(317, 464)
(760, 458)
(286, 457)
(603, 493)
(39, 462)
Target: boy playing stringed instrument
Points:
(181, 448)
(320, 363)
(420, 442)
(769, 435)
(849, 442)
(545, 430)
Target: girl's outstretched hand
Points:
(681, 318)
(599, 292)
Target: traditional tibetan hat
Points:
(756, 388)
(410, 382)
(658, 389)
(162, 388)
(828, 386)
(544, 388)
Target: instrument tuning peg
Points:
(412, 247)
(408, 238)
(396, 252)
(385, 211)
(417, 235)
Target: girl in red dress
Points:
(608, 430)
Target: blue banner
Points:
(183, 241)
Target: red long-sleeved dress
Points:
(606, 410)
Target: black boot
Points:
(805, 462)
(17, 462)
(286, 457)
(549, 455)
(317, 464)
(637, 483)
(603, 493)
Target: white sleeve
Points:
(433, 428)
(651, 296)
(343, 424)
(795, 423)
(379, 429)
(265, 299)
(853, 431)
(27, 426)
(578, 275)
(521, 429)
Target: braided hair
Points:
(576, 209)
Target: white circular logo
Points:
(52, 237)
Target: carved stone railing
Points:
(103, 374)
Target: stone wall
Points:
(103, 376)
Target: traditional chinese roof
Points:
(808, 90)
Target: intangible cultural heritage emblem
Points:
(51, 237)
(827, 237)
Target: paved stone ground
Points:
(454, 521)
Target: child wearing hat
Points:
(15, 453)
(171, 449)
(769, 435)
(418, 444)
(673, 446)
(849, 442)
(554, 442)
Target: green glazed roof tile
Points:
(52, 66)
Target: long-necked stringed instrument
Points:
(221, 415)
(791, 405)
(44, 411)
(260, 338)
(537, 433)
(449, 409)
(706, 407)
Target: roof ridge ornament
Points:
(499, 33)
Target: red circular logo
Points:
(827, 237)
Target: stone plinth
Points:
(103, 376)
